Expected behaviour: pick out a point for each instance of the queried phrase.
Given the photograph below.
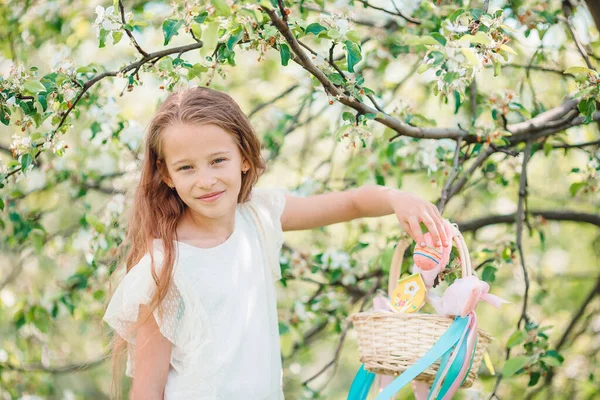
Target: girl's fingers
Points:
(439, 222)
(406, 228)
(434, 230)
(415, 227)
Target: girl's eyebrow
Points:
(216, 153)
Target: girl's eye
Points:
(219, 159)
(183, 167)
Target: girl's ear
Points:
(164, 174)
(245, 165)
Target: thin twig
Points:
(273, 100)
(398, 13)
(343, 335)
(453, 174)
(66, 369)
(99, 77)
(521, 215)
(133, 41)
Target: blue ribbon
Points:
(361, 384)
(445, 343)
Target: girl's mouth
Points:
(211, 198)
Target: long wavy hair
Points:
(156, 209)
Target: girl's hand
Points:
(411, 209)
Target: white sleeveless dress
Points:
(221, 311)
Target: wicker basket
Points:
(389, 343)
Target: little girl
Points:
(196, 312)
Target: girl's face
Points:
(202, 160)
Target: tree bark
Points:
(594, 7)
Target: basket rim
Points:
(369, 315)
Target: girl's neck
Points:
(193, 227)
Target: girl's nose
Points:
(206, 182)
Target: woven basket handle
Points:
(403, 244)
(396, 265)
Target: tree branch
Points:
(521, 216)
(66, 369)
(273, 100)
(343, 335)
(129, 33)
(99, 77)
(551, 215)
(453, 174)
(398, 13)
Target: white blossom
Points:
(349, 279)
(36, 180)
(300, 310)
(116, 205)
(342, 25)
(335, 260)
(82, 240)
(8, 298)
(132, 135)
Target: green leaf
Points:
(553, 355)
(423, 67)
(353, 54)
(26, 161)
(478, 38)
(102, 38)
(315, 29)
(117, 35)
(358, 246)
(551, 361)
(379, 178)
(508, 49)
(576, 187)
(514, 365)
(455, 15)
(534, 378)
(497, 67)
(19, 318)
(422, 40)
(516, 338)
(489, 273)
(348, 116)
(210, 37)
(224, 54)
(284, 52)
(1, 204)
(197, 70)
(457, 102)
(200, 18)
(470, 56)
(283, 328)
(580, 71)
(85, 70)
(5, 115)
(170, 28)
(354, 36)
(587, 108)
(547, 148)
(38, 239)
(34, 86)
(222, 9)
(439, 38)
(236, 36)
(95, 222)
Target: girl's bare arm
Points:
(152, 357)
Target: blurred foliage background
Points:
(486, 108)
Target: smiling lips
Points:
(211, 196)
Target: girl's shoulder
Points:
(272, 199)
